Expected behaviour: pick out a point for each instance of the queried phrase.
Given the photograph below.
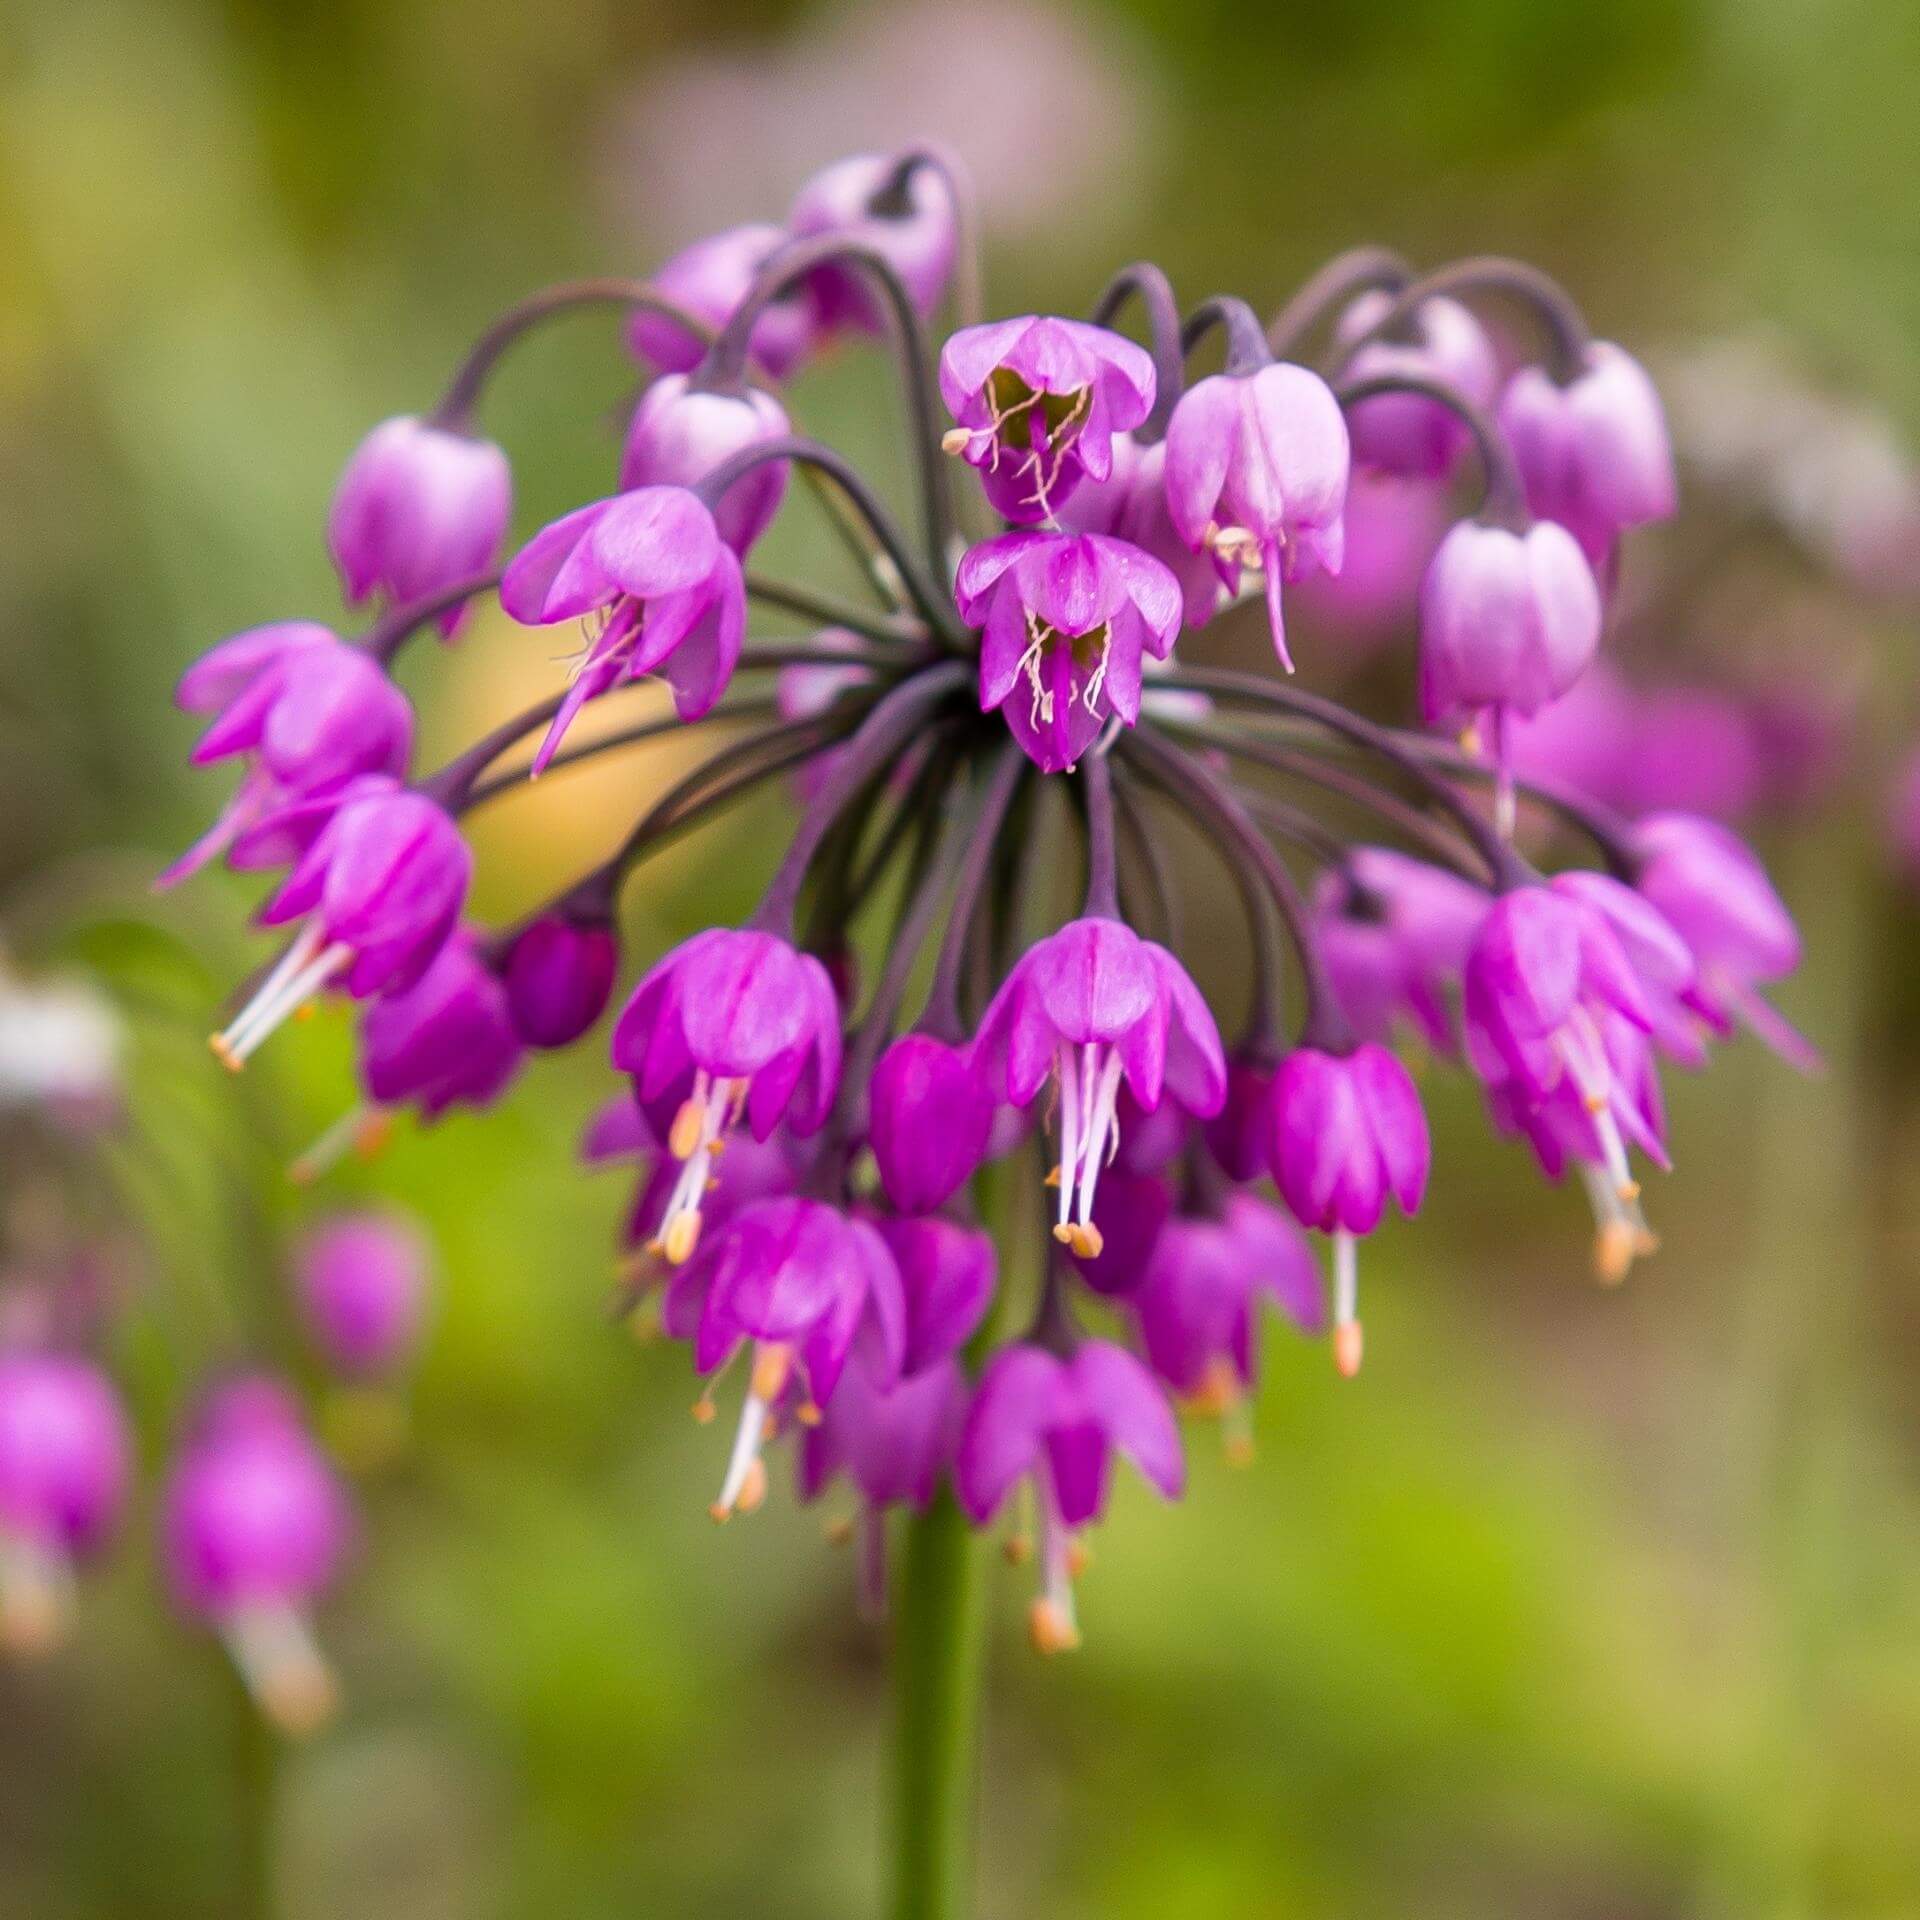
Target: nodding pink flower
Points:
(1594, 453)
(1039, 401)
(308, 713)
(254, 1530)
(419, 508)
(746, 1025)
(1565, 1129)
(1715, 894)
(1257, 476)
(65, 1461)
(1057, 1423)
(361, 1280)
(1131, 504)
(1551, 970)
(1128, 1213)
(559, 973)
(1508, 622)
(1236, 1136)
(1092, 1006)
(1394, 934)
(947, 1274)
(662, 591)
(378, 893)
(893, 1443)
(681, 433)
(709, 279)
(1406, 433)
(1066, 620)
(929, 1123)
(447, 1040)
(799, 1282)
(908, 216)
(1198, 1304)
(1393, 528)
(1348, 1132)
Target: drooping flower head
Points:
(904, 212)
(1056, 1423)
(681, 432)
(1407, 433)
(1066, 620)
(728, 1025)
(254, 1529)
(377, 895)
(559, 972)
(1594, 452)
(1198, 1302)
(419, 507)
(65, 1462)
(1348, 1133)
(1257, 476)
(662, 590)
(307, 713)
(709, 279)
(361, 1281)
(1039, 401)
(1091, 1007)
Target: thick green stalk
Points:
(939, 1628)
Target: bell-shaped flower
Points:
(1091, 1007)
(361, 1283)
(1131, 504)
(680, 433)
(1508, 621)
(1066, 620)
(1198, 1303)
(728, 1024)
(709, 279)
(1407, 433)
(559, 972)
(447, 1040)
(306, 713)
(910, 221)
(929, 1121)
(947, 1274)
(1394, 934)
(1038, 401)
(419, 508)
(1348, 1133)
(798, 1282)
(254, 1529)
(377, 893)
(1594, 453)
(662, 590)
(1256, 473)
(1714, 892)
(1057, 1423)
(66, 1459)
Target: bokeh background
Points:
(1576, 1604)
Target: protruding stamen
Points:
(1348, 1341)
(748, 1438)
(283, 1668)
(362, 1129)
(306, 966)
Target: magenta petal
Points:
(1130, 1409)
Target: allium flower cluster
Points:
(980, 943)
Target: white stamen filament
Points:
(1052, 1622)
(1088, 1084)
(748, 1438)
(306, 966)
(696, 1139)
(360, 1129)
(36, 1595)
(1346, 1303)
(282, 1665)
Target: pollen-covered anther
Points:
(1079, 1558)
(753, 1488)
(956, 440)
(704, 1410)
(1051, 1628)
(683, 1139)
(1348, 1345)
(1017, 1549)
(1613, 1252)
(681, 1238)
(838, 1531)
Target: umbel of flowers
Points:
(972, 948)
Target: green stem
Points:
(256, 1769)
(939, 1633)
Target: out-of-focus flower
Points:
(1406, 433)
(361, 1280)
(680, 433)
(710, 279)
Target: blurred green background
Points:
(1574, 1605)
